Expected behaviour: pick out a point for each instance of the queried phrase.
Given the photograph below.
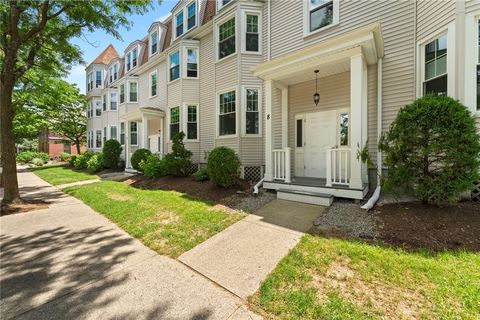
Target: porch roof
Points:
(138, 114)
(329, 57)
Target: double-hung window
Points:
(133, 133)
(320, 14)
(252, 114)
(110, 74)
(153, 84)
(132, 91)
(179, 24)
(174, 121)
(115, 71)
(153, 43)
(134, 57)
(90, 81)
(104, 102)
(113, 101)
(435, 67)
(227, 114)
(113, 132)
(122, 133)
(98, 108)
(174, 66)
(191, 15)
(104, 134)
(192, 122)
(122, 93)
(252, 33)
(98, 139)
(226, 38)
(192, 63)
(129, 61)
(98, 83)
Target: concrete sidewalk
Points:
(240, 257)
(69, 262)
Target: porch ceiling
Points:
(138, 114)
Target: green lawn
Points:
(338, 279)
(166, 221)
(57, 175)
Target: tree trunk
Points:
(77, 143)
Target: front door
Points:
(320, 134)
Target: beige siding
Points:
(226, 73)
(162, 85)
(472, 5)
(190, 91)
(231, 143)
(433, 16)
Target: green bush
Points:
(96, 162)
(111, 153)
(154, 167)
(65, 157)
(178, 161)
(38, 162)
(201, 174)
(71, 161)
(432, 150)
(137, 156)
(81, 161)
(28, 156)
(223, 167)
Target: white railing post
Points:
(288, 173)
(329, 168)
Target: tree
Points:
(36, 36)
(432, 150)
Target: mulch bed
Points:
(204, 190)
(413, 226)
(25, 206)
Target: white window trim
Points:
(130, 133)
(101, 138)
(130, 53)
(184, 9)
(306, 18)
(124, 94)
(110, 100)
(471, 61)
(120, 132)
(244, 31)
(110, 132)
(180, 107)
(128, 91)
(244, 111)
(217, 34)
(179, 51)
(220, 6)
(95, 108)
(185, 122)
(150, 53)
(183, 69)
(150, 84)
(217, 113)
(185, 16)
(449, 31)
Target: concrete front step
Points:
(319, 199)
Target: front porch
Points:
(313, 149)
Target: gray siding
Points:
(433, 16)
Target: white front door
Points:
(320, 134)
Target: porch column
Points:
(357, 110)
(127, 144)
(284, 113)
(268, 130)
(145, 132)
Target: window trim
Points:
(220, 6)
(128, 86)
(184, 10)
(96, 138)
(110, 100)
(130, 132)
(150, 53)
(185, 122)
(217, 36)
(169, 121)
(116, 132)
(179, 12)
(244, 111)
(120, 133)
(185, 62)
(120, 93)
(243, 28)
(217, 113)
(99, 102)
(155, 72)
(306, 18)
(472, 58)
(179, 65)
(104, 101)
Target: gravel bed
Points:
(249, 202)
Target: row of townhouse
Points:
(294, 87)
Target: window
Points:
(98, 140)
(320, 14)
(154, 42)
(132, 91)
(252, 33)
(174, 121)
(98, 108)
(104, 134)
(192, 63)
(179, 24)
(113, 132)
(299, 133)
(192, 123)
(90, 81)
(435, 67)
(129, 61)
(122, 93)
(252, 118)
(115, 71)
(88, 109)
(133, 133)
(104, 102)
(113, 101)
(174, 66)
(110, 74)
(222, 3)
(344, 129)
(153, 84)
(226, 39)
(191, 15)
(122, 133)
(98, 79)
(134, 57)
(227, 114)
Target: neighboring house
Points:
(53, 144)
(242, 74)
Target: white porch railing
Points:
(338, 166)
(281, 165)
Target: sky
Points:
(92, 44)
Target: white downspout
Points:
(257, 186)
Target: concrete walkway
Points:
(240, 257)
(69, 262)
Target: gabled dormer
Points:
(156, 36)
(184, 17)
(132, 55)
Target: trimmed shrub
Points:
(154, 167)
(201, 174)
(28, 156)
(432, 150)
(178, 161)
(111, 153)
(71, 161)
(96, 162)
(65, 157)
(81, 161)
(38, 162)
(137, 156)
(223, 167)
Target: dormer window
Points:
(186, 19)
(134, 58)
(191, 15)
(222, 3)
(115, 71)
(179, 24)
(98, 77)
(129, 61)
(154, 43)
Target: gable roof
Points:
(168, 35)
(106, 56)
